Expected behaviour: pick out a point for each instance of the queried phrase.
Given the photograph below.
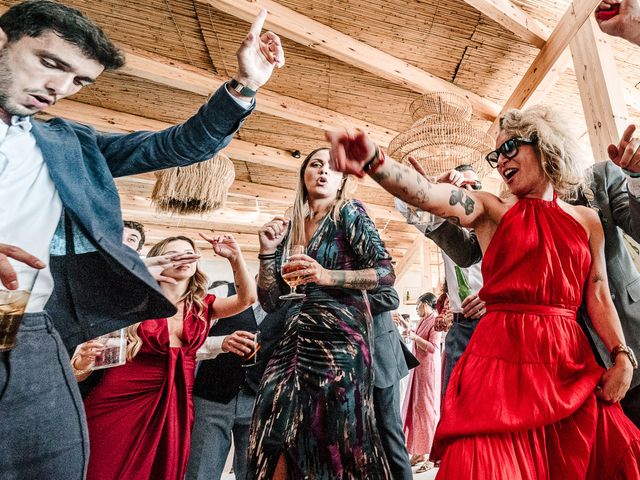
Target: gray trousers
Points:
(455, 344)
(43, 430)
(211, 437)
(386, 404)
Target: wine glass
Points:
(286, 268)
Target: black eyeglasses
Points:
(508, 149)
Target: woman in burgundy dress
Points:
(140, 414)
(527, 400)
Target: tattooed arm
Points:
(350, 153)
(602, 312)
(270, 285)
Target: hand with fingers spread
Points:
(272, 233)
(620, 18)
(258, 55)
(223, 245)
(627, 153)
(157, 265)
(306, 270)
(239, 342)
(8, 276)
(350, 151)
(473, 307)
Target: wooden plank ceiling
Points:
(349, 62)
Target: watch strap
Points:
(241, 88)
(618, 349)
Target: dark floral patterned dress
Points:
(315, 401)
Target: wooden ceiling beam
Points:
(181, 76)
(558, 41)
(514, 19)
(112, 121)
(520, 23)
(409, 258)
(328, 41)
(601, 90)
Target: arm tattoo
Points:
(268, 286)
(457, 196)
(597, 277)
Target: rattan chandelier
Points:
(198, 188)
(442, 135)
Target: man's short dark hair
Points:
(140, 228)
(33, 18)
(465, 167)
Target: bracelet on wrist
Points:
(376, 162)
(76, 372)
(266, 256)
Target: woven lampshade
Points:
(198, 188)
(442, 135)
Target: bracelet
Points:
(76, 372)
(266, 256)
(376, 154)
(374, 164)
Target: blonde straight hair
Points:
(300, 209)
(192, 297)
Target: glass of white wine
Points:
(293, 282)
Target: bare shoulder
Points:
(494, 206)
(585, 216)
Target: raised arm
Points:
(357, 154)
(227, 247)
(212, 128)
(602, 313)
(270, 284)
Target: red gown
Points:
(140, 415)
(521, 404)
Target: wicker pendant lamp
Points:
(198, 188)
(442, 135)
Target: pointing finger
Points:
(258, 23)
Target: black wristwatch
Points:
(241, 88)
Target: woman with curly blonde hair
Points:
(140, 414)
(527, 399)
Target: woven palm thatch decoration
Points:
(442, 135)
(198, 188)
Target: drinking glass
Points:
(251, 358)
(287, 268)
(13, 304)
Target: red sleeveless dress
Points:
(521, 404)
(140, 415)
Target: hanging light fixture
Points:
(198, 188)
(442, 135)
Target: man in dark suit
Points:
(224, 391)
(389, 366)
(61, 214)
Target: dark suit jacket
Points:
(389, 365)
(106, 287)
(619, 212)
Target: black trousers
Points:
(631, 405)
(386, 404)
